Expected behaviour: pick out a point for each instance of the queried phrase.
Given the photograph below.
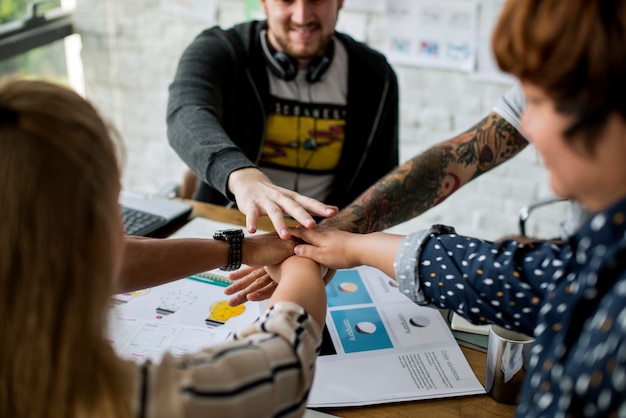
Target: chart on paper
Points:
(381, 347)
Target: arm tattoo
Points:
(429, 178)
(492, 141)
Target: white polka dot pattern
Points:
(406, 262)
(570, 296)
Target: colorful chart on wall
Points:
(432, 33)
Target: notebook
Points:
(458, 323)
(468, 334)
(149, 215)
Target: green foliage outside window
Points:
(16, 9)
(47, 61)
(12, 10)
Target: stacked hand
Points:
(256, 196)
(327, 244)
(330, 247)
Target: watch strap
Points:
(234, 237)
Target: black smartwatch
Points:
(234, 237)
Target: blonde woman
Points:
(62, 254)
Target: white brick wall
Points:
(130, 52)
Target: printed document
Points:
(379, 347)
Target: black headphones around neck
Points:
(286, 67)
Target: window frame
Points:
(35, 30)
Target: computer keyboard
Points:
(140, 223)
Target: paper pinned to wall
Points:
(376, 6)
(432, 33)
(203, 10)
(354, 24)
(486, 66)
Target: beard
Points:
(302, 50)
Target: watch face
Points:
(231, 232)
(225, 234)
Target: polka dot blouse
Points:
(571, 297)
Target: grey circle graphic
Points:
(365, 327)
(419, 321)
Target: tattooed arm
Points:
(408, 191)
(429, 178)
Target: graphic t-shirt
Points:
(305, 129)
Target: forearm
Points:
(429, 178)
(150, 262)
(300, 281)
(377, 249)
(404, 193)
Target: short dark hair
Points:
(574, 50)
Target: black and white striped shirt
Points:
(265, 371)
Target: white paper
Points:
(181, 316)
(432, 33)
(141, 339)
(388, 349)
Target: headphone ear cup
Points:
(280, 64)
(317, 68)
(320, 64)
(287, 66)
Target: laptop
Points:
(151, 215)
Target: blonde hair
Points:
(59, 182)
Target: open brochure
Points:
(384, 348)
(379, 347)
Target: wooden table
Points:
(469, 406)
(232, 216)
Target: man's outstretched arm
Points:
(409, 190)
(429, 178)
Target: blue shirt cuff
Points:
(406, 264)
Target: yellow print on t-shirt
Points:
(303, 142)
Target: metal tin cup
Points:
(507, 357)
